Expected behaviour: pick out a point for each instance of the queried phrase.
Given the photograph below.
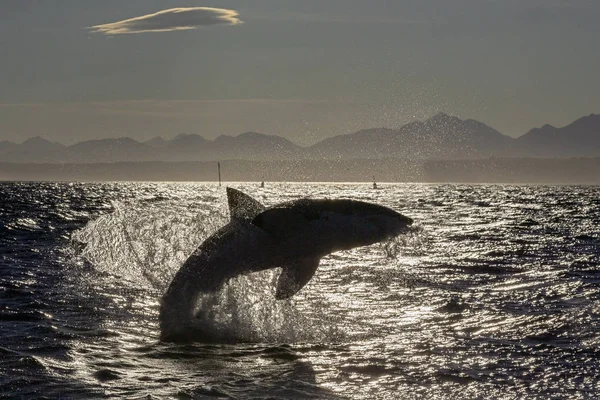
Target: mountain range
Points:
(441, 137)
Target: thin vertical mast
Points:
(219, 168)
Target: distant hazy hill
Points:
(249, 146)
(156, 142)
(112, 150)
(441, 137)
(33, 149)
(6, 146)
(185, 147)
(578, 139)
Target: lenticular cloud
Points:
(174, 19)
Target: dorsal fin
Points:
(242, 206)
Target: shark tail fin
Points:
(293, 277)
(242, 206)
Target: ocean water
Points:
(493, 294)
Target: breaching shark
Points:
(293, 235)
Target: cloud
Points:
(174, 19)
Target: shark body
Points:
(293, 236)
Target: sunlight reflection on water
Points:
(494, 294)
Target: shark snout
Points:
(390, 224)
(399, 224)
(404, 220)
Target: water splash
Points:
(393, 247)
(146, 243)
(245, 310)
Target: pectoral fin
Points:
(294, 276)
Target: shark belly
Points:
(236, 249)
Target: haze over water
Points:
(494, 294)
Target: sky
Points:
(75, 70)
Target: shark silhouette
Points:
(292, 235)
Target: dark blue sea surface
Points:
(494, 294)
